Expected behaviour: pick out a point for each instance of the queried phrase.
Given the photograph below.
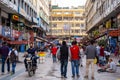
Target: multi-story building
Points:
(19, 19)
(66, 22)
(43, 13)
(103, 20)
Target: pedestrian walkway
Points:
(19, 69)
(50, 71)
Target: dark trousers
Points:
(97, 59)
(107, 58)
(34, 61)
(3, 64)
(64, 64)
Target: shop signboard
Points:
(108, 24)
(15, 17)
(114, 33)
(31, 36)
(7, 32)
(16, 34)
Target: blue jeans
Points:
(3, 64)
(54, 58)
(64, 64)
(13, 66)
(75, 67)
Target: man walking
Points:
(90, 55)
(54, 51)
(75, 56)
(63, 57)
(4, 50)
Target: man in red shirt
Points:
(54, 51)
(102, 56)
(75, 56)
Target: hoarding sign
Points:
(16, 33)
(7, 31)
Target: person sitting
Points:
(110, 67)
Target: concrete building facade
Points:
(67, 22)
(103, 20)
(21, 21)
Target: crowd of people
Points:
(64, 53)
(75, 54)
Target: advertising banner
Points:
(7, 32)
(16, 33)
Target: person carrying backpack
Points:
(13, 58)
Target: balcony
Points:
(8, 6)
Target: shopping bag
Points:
(95, 60)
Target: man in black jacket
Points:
(62, 54)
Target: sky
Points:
(68, 3)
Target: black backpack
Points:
(13, 56)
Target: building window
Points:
(82, 25)
(77, 31)
(14, 1)
(54, 25)
(22, 3)
(72, 31)
(77, 25)
(30, 12)
(77, 12)
(10, 0)
(25, 7)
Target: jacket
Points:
(75, 52)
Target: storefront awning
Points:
(4, 38)
(18, 42)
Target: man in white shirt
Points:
(110, 67)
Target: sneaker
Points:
(8, 72)
(26, 70)
(62, 76)
(73, 76)
(93, 78)
(2, 73)
(65, 76)
(81, 65)
(12, 73)
(78, 76)
(85, 76)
